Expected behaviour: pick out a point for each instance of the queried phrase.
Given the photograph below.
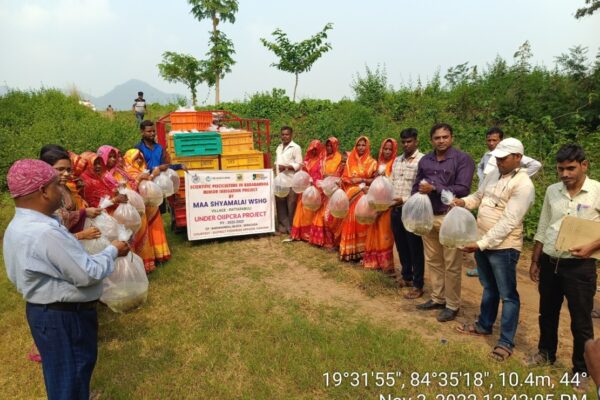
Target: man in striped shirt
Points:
(409, 245)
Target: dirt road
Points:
(393, 310)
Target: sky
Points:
(98, 44)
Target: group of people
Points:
(503, 197)
(61, 283)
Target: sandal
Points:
(414, 293)
(472, 329)
(402, 283)
(500, 353)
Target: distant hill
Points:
(121, 97)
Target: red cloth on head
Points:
(27, 176)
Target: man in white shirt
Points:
(139, 107)
(502, 201)
(288, 160)
(572, 274)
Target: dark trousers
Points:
(410, 250)
(286, 208)
(68, 344)
(574, 279)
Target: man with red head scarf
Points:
(58, 279)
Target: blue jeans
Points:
(68, 344)
(498, 276)
(139, 116)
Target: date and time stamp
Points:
(483, 385)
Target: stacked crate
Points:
(238, 151)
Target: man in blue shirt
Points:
(153, 152)
(58, 279)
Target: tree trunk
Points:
(295, 87)
(217, 91)
(194, 98)
(215, 22)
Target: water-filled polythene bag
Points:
(151, 193)
(417, 214)
(339, 204)
(164, 182)
(127, 287)
(134, 199)
(329, 185)
(381, 193)
(126, 214)
(364, 213)
(174, 179)
(311, 198)
(281, 185)
(300, 181)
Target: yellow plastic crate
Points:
(248, 160)
(198, 162)
(237, 142)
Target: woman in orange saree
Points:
(356, 178)
(324, 224)
(379, 246)
(75, 184)
(313, 164)
(140, 243)
(151, 240)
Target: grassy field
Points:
(236, 319)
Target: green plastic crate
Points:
(197, 144)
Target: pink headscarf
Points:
(103, 152)
(27, 176)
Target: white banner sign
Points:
(229, 203)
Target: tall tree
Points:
(221, 48)
(522, 57)
(299, 57)
(185, 69)
(575, 63)
(594, 5)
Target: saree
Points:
(324, 226)
(150, 242)
(95, 186)
(75, 184)
(115, 175)
(313, 164)
(379, 246)
(353, 235)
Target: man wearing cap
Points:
(60, 282)
(502, 201)
(487, 164)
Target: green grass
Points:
(215, 327)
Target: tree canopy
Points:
(184, 68)
(593, 6)
(298, 57)
(220, 46)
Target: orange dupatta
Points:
(313, 164)
(379, 245)
(353, 234)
